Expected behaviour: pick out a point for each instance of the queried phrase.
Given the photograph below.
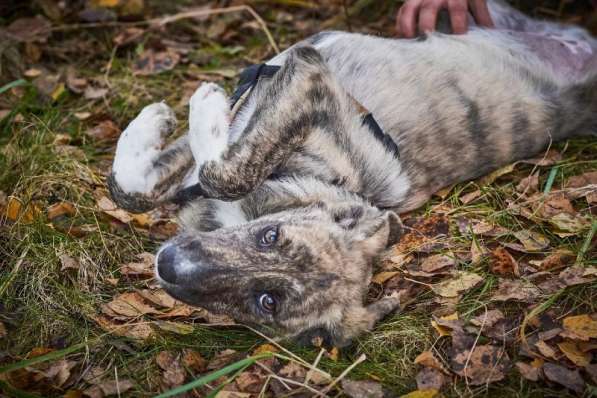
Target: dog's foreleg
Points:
(144, 173)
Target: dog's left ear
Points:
(375, 229)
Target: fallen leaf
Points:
(115, 387)
(480, 227)
(2, 330)
(443, 326)
(175, 327)
(569, 225)
(485, 364)
(574, 353)
(73, 82)
(529, 185)
(82, 115)
(555, 204)
(263, 348)
(60, 209)
(582, 180)
(174, 374)
(427, 359)
(145, 268)
(128, 305)
(35, 29)
(139, 331)
(110, 208)
(437, 262)
(583, 325)
(546, 350)
(527, 371)
(158, 297)
(471, 196)
(487, 318)
(250, 381)
(478, 252)
(462, 281)
(151, 62)
(222, 359)
(362, 389)
(383, 276)
(556, 260)
(106, 130)
(294, 371)
(570, 379)
(430, 379)
(193, 360)
(92, 93)
(516, 290)
(421, 394)
(532, 241)
(502, 263)
(67, 262)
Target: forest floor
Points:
(499, 274)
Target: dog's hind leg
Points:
(144, 173)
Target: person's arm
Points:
(421, 15)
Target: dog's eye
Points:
(267, 302)
(268, 236)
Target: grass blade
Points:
(13, 84)
(42, 358)
(215, 375)
(550, 179)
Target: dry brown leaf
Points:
(444, 325)
(555, 203)
(107, 206)
(569, 225)
(174, 374)
(144, 268)
(502, 263)
(488, 318)
(528, 371)
(574, 353)
(362, 389)
(151, 62)
(427, 359)
(479, 227)
(570, 379)
(430, 379)
(222, 359)
(16, 211)
(250, 381)
(67, 262)
(294, 371)
(582, 180)
(35, 29)
(546, 350)
(115, 387)
(437, 262)
(158, 297)
(128, 305)
(471, 196)
(516, 290)
(460, 283)
(383, 277)
(583, 325)
(92, 93)
(60, 209)
(136, 331)
(485, 364)
(532, 241)
(193, 360)
(106, 130)
(2, 330)
(529, 185)
(554, 261)
(478, 252)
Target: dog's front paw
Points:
(209, 119)
(149, 129)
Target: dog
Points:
(293, 186)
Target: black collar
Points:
(250, 76)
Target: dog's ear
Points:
(375, 229)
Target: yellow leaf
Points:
(573, 353)
(106, 3)
(13, 208)
(421, 394)
(265, 348)
(57, 91)
(442, 330)
(582, 325)
(462, 282)
(383, 276)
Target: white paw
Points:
(138, 146)
(151, 126)
(209, 120)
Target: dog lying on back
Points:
(291, 194)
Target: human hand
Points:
(422, 14)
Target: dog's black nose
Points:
(167, 265)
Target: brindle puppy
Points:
(291, 196)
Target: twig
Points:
(162, 21)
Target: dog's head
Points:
(293, 272)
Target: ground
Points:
(497, 275)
